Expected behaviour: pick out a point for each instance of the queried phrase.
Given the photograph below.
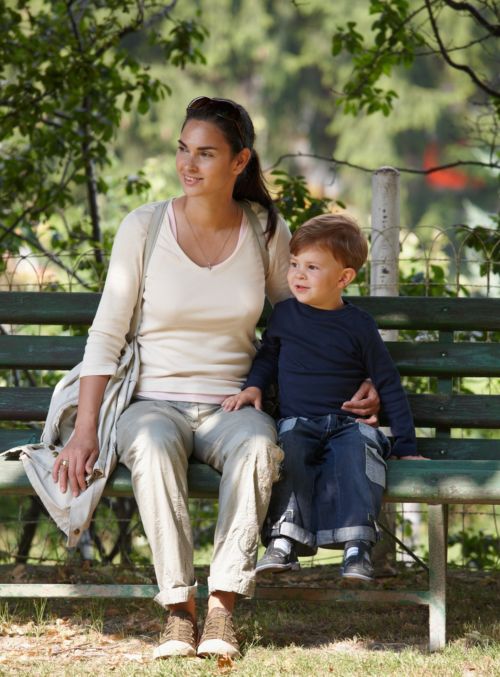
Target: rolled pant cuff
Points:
(175, 595)
(225, 584)
(296, 533)
(328, 537)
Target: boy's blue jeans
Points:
(331, 484)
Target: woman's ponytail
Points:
(250, 185)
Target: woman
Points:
(204, 293)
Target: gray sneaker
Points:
(275, 560)
(180, 637)
(357, 564)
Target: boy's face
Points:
(316, 278)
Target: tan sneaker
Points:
(181, 636)
(218, 638)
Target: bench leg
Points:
(438, 533)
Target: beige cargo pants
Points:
(155, 440)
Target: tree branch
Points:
(494, 29)
(403, 170)
(461, 67)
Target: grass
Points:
(104, 638)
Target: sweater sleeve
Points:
(386, 379)
(112, 320)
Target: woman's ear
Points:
(241, 160)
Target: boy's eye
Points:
(312, 267)
(293, 264)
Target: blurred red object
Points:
(453, 178)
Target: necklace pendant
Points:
(209, 266)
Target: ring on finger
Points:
(65, 463)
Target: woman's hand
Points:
(76, 461)
(417, 457)
(365, 402)
(250, 395)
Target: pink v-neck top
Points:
(196, 338)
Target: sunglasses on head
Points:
(223, 108)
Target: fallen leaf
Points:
(225, 663)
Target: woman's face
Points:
(205, 162)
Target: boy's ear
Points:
(346, 277)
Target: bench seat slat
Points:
(411, 481)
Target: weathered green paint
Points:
(48, 307)
(51, 590)
(130, 591)
(459, 449)
(389, 312)
(41, 352)
(311, 594)
(421, 359)
(438, 449)
(419, 481)
(11, 437)
(24, 404)
(456, 411)
(445, 359)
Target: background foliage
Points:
(94, 92)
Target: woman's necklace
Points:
(210, 262)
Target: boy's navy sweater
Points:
(320, 357)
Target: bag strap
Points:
(153, 230)
(259, 234)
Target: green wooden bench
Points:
(463, 471)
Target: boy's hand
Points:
(250, 395)
(365, 402)
(409, 458)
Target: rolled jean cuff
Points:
(226, 584)
(293, 531)
(328, 537)
(175, 595)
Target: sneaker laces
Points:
(181, 628)
(219, 625)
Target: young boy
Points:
(321, 348)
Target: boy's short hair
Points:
(339, 233)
